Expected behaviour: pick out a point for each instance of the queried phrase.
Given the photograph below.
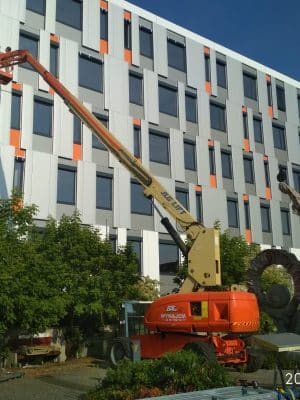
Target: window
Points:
(54, 60)
(159, 148)
(69, 12)
(31, 43)
(189, 156)
(168, 102)
(280, 98)
(76, 130)
(283, 169)
(146, 42)
(18, 175)
(199, 208)
(182, 196)
(217, 117)
(258, 132)
(66, 185)
(250, 89)
(127, 34)
(247, 215)
(285, 221)
(191, 107)
(245, 126)
(207, 68)
(15, 119)
(279, 137)
(296, 178)
(137, 141)
(140, 204)
(103, 24)
(267, 173)
(90, 73)
(42, 118)
(176, 55)
(104, 192)
(136, 89)
(232, 209)
(96, 141)
(221, 74)
(168, 258)
(226, 164)
(248, 170)
(265, 218)
(212, 163)
(136, 245)
(269, 92)
(37, 6)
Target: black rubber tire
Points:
(203, 348)
(254, 363)
(120, 349)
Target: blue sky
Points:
(267, 31)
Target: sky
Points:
(267, 31)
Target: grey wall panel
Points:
(50, 15)
(121, 194)
(151, 96)
(181, 106)
(241, 214)
(295, 225)
(121, 126)
(213, 73)
(262, 91)
(255, 218)
(135, 29)
(218, 165)
(7, 159)
(150, 254)
(13, 9)
(290, 173)
(268, 134)
(214, 207)
(145, 143)
(116, 31)
(273, 168)
(238, 169)
(116, 85)
(234, 124)
(169, 185)
(195, 64)
(202, 161)
(259, 174)
(90, 24)
(5, 114)
(203, 114)
(27, 117)
(292, 113)
(177, 155)
(160, 50)
(63, 129)
(192, 200)
(235, 81)
(121, 237)
(251, 129)
(274, 98)
(276, 222)
(68, 55)
(87, 139)
(86, 191)
(44, 57)
(9, 31)
(292, 139)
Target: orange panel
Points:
(77, 152)
(246, 145)
(213, 181)
(268, 193)
(268, 78)
(54, 38)
(127, 15)
(248, 236)
(208, 87)
(244, 109)
(103, 4)
(15, 136)
(137, 121)
(265, 157)
(245, 197)
(51, 91)
(20, 153)
(206, 50)
(270, 111)
(17, 86)
(211, 142)
(198, 188)
(103, 46)
(128, 56)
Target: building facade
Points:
(212, 125)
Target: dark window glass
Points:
(207, 68)
(66, 185)
(15, 119)
(103, 24)
(76, 130)
(221, 74)
(217, 117)
(42, 118)
(159, 148)
(269, 91)
(90, 73)
(69, 12)
(137, 141)
(189, 156)
(233, 216)
(146, 42)
(127, 34)
(250, 89)
(265, 218)
(199, 209)
(247, 215)
(183, 197)
(136, 245)
(96, 141)
(37, 6)
(212, 163)
(296, 178)
(226, 165)
(258, 131)
(176, 55)
(18, 175)
(191, 107)
(140, 204)
(136, 89)
(54, 60)
(280, 98)
(168, 258)
(245, 126)
(31, 44)
(248, 170)
(285, 221)
(279, 137)
(104, 192)
(267, 173)
(168, 102)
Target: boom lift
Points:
(175, 321)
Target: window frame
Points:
(221, 80)
(279, 130)
(212, 160)
(170, 270)
(219, 124)
(247, 215)
(16, 111)
(166, 138)
(280, 94)
(236, 222)
(255, 121)
(199, 207)
(249, 172)
(182, 196)
(74, 173)
(149, 52)
(173, 44)
(54, 71)
(263, 208)
(77, 130)
(67, 22)
(190, 155)
(250, 85)
(133, 99)
(165, 88)
(127, 34)
(45, 102)
(286, 225)
(146, 202)
(228, 164)
(37, 9)
(33, 50)
(137, 141)
(97, 142)
(99, 86)
(18, 174)
(103, 24)
(107, 178)
(191, 116)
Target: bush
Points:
(178, 372)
